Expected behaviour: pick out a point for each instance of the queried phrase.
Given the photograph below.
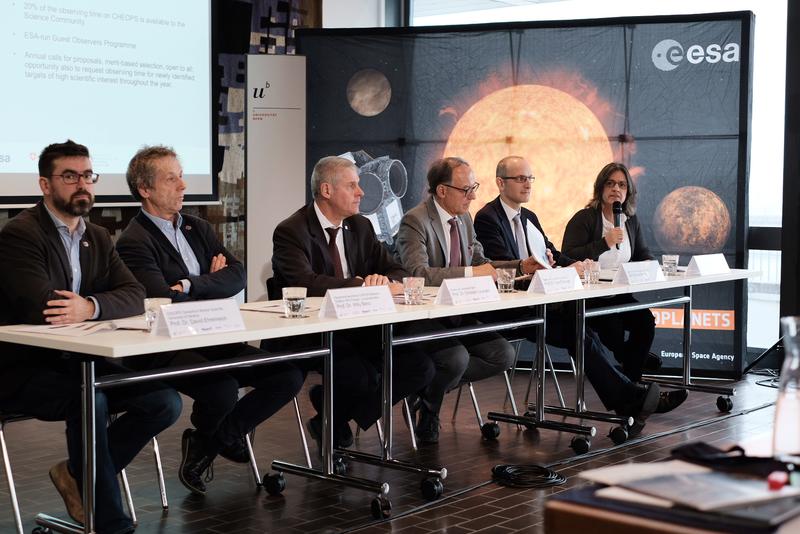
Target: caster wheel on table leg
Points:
(381, 508)
(431, 488)
(490, 431)
(274, 483)
(580, 444)
(339, 467)
(724, 404)
(618, 435)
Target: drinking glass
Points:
(294, 302)
(412, 289)
(152, 307)
(669, 264)
(591, 272)
(505, 280)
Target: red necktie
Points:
(333, 250)
(455, 244)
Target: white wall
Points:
(353, 13)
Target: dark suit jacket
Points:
(300, 254)
(583, 236)
(158, 265)
(497, 237)
(34, 264)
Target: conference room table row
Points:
(264, 320)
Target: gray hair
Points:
(502, 165)
(327, 171)
(141, 169)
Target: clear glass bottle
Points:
(786, 429)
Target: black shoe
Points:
(236, 451)
(669, 400)
(344, 438)
(341, 439)
(428, 427)
(645, 403)
(652, 362)
(195, 462)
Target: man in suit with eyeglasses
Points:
(59, 269)
(437, 241)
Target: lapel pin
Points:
(85, 243)
(188, 227)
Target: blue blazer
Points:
(497, 237)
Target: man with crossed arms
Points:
(180, 257)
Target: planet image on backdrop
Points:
(562, 139)
(369, 92)
(692, 220)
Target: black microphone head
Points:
(616, 207)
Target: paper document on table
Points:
(537, 245)
(271, 306)
(626, 495)
(618, 474)
(85, 328)
(709, 491)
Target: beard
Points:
(79, 204)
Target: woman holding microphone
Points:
(608, 231)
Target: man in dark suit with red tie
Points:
(325, 245)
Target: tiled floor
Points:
(470, 502)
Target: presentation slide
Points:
(113, 76)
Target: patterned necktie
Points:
(519, 234)
(333, 250)
(455, 244)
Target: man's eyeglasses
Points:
(466, 190)
(521, 178)
(623, 185)
(71, 178)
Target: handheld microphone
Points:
(616, 207)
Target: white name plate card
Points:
(639, 272)
(199, 317)
(357, 301)
(457, 291)
(555, 280)
(705, 264)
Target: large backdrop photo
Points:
(667, 96)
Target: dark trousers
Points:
(357, 365)
(604, 373)
(464, 359)
(639, 326)
(217, 413)
(54, 394)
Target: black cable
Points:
(526, 476)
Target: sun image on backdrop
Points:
(666, 97)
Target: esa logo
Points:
(668, 54)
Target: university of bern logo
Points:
(258, 92)
(669, 54)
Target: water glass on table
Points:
(152, 307)
(669, 264)
(412, 289)
(591, 272)
(294, 302)
(505, 280)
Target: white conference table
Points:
(263, 325)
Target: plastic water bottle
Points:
(786, 430)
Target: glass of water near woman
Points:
(591, 273)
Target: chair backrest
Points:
(273, 291)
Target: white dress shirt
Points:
(535, 238)
(445, 217)
(611, 258)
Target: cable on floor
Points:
(526, 476)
